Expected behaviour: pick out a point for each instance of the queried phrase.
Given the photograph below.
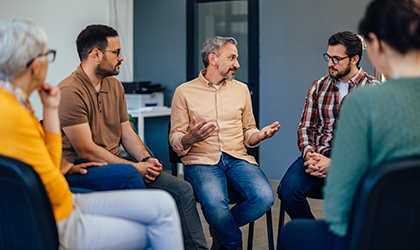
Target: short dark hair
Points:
(397, 22)
(93, 36)
(351, 41)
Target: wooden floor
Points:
(260, 228)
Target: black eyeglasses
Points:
(50, 54)
(335, 59)
(117, 52)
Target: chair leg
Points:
(174, 167)
(281, 223)
(269, 231)
(250, 235)
(270, 236)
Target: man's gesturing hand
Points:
(197, 132)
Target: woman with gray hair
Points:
(135, 219)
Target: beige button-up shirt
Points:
(228, 107)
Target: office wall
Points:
(293, 37)
(160, 43)
(63, 20)
(160, 57)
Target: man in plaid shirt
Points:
(305, 177)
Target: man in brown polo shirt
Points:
(94, 121)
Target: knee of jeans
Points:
(133, 179)
(280, 191)
(284, 192)
(290, 194)
(125, 169)
(263, 197)
(215, 207)
(286, 189)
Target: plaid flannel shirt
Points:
(319, 115)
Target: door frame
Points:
(253, 50)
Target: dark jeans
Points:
(295, 186)
(308, 234)
(108, 177)
(124, 176)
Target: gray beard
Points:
(226, 75)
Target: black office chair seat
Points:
(26, 216)
(385, 214)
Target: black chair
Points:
(234, 197)
(26, 216)
(315, 195)
(385, 213)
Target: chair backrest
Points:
(26, 216)
(386, 208)
(173, 157)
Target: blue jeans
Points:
(108, 177)
(295, 186)
(210, 184)
(308, 234)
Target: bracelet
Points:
(146, 158)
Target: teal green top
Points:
(377, 124)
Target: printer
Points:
(143, 94)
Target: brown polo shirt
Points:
(104, 111)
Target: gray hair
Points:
(214, 45)
(20, 41)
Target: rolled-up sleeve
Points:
(249, 125)
(179, 122)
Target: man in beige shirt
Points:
(211, 125)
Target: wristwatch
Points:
(146, 158)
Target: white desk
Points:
(147, 112)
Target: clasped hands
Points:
(316, 164)
(149, 170)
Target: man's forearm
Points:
(132, 143)
(98, 153)
(135, 148)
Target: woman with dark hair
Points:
(133, 219)
(377, 123)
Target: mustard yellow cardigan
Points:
(22, 137)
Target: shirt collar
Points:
(358, 77)
(355, 79)
(85, 79)
(204, 81)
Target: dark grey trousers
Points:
(183, 194)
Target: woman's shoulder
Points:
(11, 111)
